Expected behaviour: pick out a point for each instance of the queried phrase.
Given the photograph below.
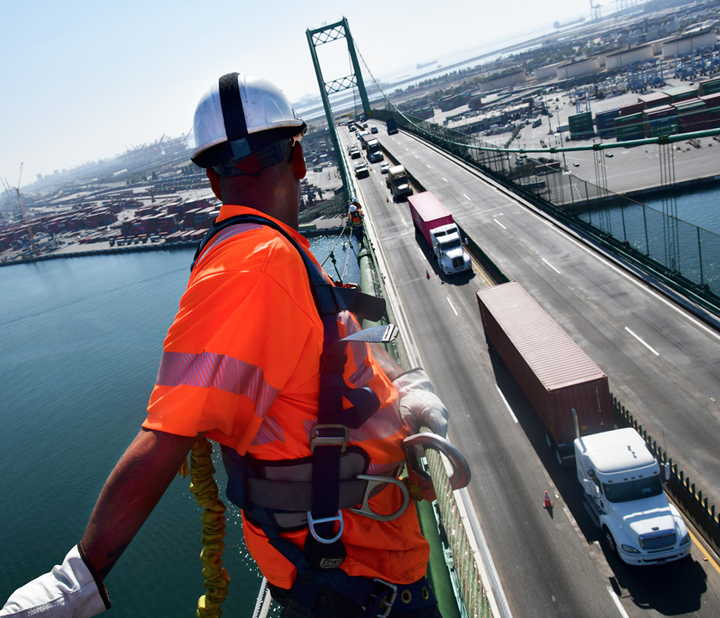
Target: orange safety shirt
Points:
(241, 362)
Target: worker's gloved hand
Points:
(419, 405)
(68, 591)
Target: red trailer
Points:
(553, 372)
(428, 213)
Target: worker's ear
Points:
(214, 179)
(298, 161)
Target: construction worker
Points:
(263, 358)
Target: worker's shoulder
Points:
(252, 247)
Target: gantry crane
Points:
(31, 237)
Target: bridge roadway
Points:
(662, 364)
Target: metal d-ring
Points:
(372, 483)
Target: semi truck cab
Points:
(448, 248)
(623, 486)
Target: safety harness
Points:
(313, 492)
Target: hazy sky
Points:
(83, 80)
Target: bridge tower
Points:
(320, 36)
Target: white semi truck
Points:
(624, 489)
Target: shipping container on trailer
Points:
(553, 372)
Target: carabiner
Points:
(372, 483)
(460, 476)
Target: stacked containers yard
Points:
(681, 93)
(656, 99)
(692, 115)
(662, 120)
(605, 122)
(581, 126)
(708, 87)
(553, 372)
(629, 127)
(712, 107)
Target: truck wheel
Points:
(610, 540)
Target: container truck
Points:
(437, 226)
(620, 478)
(553, 372)
(374, 151)
(623, 486)
(398, 182)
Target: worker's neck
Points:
(279, 200)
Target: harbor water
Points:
(688, 242)
(80, 344)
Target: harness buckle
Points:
(329, 435)
(323, 520)
(372, 483)
(385, 604)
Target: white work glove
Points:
(68, 591)
(419, 405)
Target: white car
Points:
(384, 167)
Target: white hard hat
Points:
(353, 208)
(240, 115)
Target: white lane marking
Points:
(420, 250)
(467, 197)
(641, 341)
(551, 266)
(507, 405)
(500, 224)
(619, 606)
(603, 260)
(445, 179)
(451, 305)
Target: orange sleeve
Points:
(235, 345)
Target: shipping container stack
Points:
(605, 122)
(629, 127)
(581, 126)
(659, 121)
(692, 115)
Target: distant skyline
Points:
(84, 81)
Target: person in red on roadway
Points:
(291, 390)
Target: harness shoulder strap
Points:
(329, 299)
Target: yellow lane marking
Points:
(705, 553)
(479, 269)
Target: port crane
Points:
(595, 12)
(31, 237)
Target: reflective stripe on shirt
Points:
(228, 374)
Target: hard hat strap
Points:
(232, 108)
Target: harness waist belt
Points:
(297, 496)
